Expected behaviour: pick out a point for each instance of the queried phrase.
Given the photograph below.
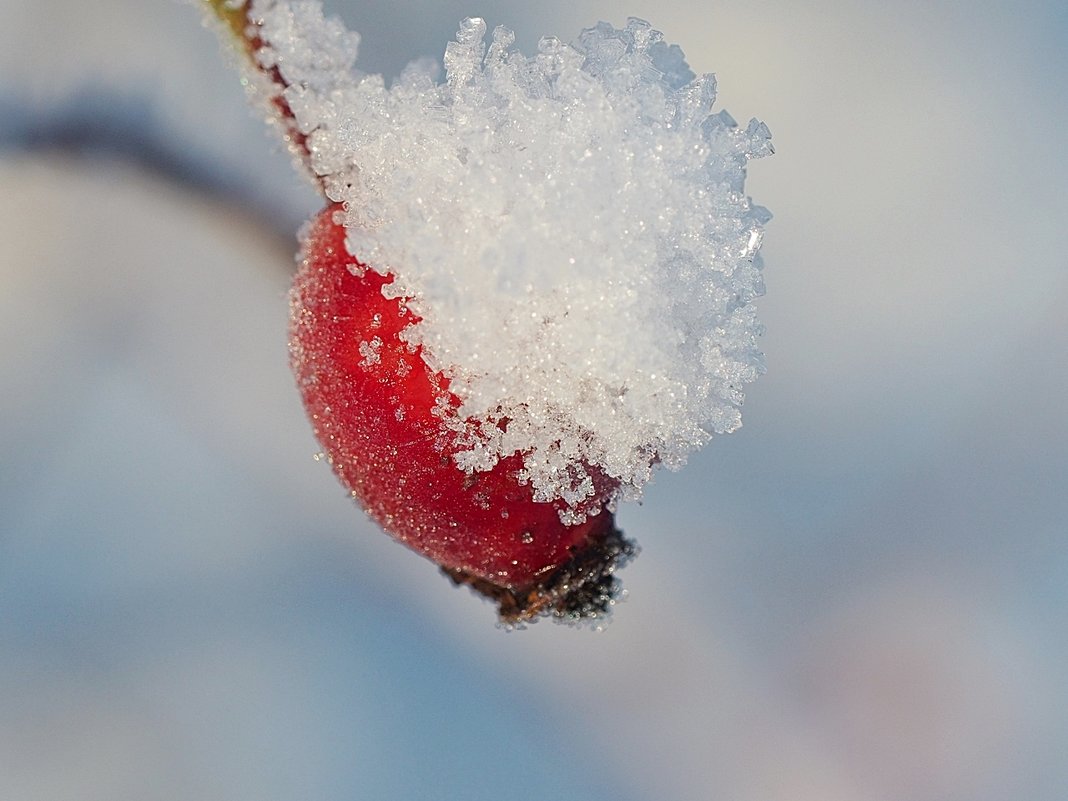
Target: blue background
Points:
(860, 595)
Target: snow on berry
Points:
(532, 284)
(377, 409)
(571, 230)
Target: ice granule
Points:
(571, 228)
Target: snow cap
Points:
(571, 227)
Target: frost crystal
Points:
(571, 227)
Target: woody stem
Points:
(239, 20)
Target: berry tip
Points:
(583, 588)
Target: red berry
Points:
(377, 410)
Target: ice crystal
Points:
(571, 227)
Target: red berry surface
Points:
(378, 412)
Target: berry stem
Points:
(233, 15)
(240, 22)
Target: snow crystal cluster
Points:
(572, 228)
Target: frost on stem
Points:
(571, 229)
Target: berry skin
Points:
(377, 410)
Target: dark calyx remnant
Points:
(583, 588)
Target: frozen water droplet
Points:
(753, 244)
(471, 31)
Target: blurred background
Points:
(862, 595)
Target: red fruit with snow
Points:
(565, 237)
(378, 412)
